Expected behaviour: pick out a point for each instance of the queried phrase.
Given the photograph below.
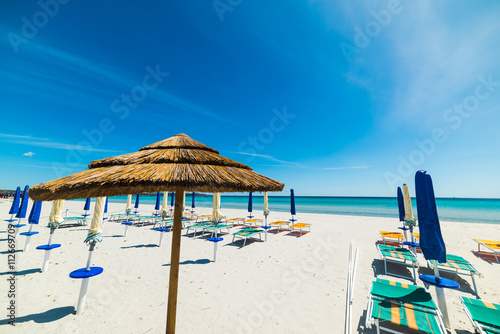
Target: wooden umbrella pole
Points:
(174, 261)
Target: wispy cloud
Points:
(268, 157)
(45, 142)
(350, 167)
(117, 79)
(29, 154)
(6, 135)
(61, 146)
(37, 166)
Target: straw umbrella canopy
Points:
(178, 164)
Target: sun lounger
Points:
(458, 265)
(76, 220)
(203, 218)
(235, 221)
(300, 227)
(252, 222)
(392, 236)
(485, 316)
(280, 223)
(404, 305)
(216, 228)
(397, 255)
(492, 245)
(246, 233)
(197, 227)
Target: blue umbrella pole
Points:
(441, 299)
(215, 240)
(18, 227)
(85, 274)
(28, 238)
(11, 218)
(47, 248)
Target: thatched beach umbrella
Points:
(175, 164)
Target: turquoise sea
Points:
(449, 209)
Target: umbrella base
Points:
(83, 273)
(48, 247)
(29, 233)
(439, 282)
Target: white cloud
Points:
(29, 154)
(6, 135)
(351, 167)
(268, 157)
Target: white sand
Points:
(284, 285)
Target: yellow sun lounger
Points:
(251, 222)
(235, 221)
(392, 235)
(279, 224)
(492, 245)
(300, 226)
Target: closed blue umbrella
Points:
(250, 204)
(106, 206)
(401, 205)
(22, 211)
(24, 204)
(136, 202)
(431, 239)
(192, 201)
(33, 219)
(172, 199)
(14, 208)
(34, 216)
(86, 207)
(157, 205)
(292, 205)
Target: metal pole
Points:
(441, 298)
(85, 283)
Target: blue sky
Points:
(331, 98)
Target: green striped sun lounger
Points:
(404, 305)
(198, 227)
(246, 233)
(485, 316)
(79, 220)
(398, 255)
(217, 228)
(458, 265)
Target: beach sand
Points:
(288, 284)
